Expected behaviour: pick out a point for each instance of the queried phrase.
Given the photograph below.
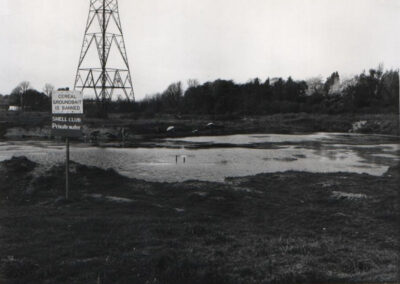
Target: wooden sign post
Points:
(67, 111)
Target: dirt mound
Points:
(15, 178)
(83, 180)
(393, 171)
(19, 184)
(374, 126)
(18, 165)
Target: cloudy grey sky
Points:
(175, 40)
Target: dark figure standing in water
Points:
(176, 159)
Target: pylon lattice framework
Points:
(104, 80)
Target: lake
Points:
(213, 158)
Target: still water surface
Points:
(247, 155)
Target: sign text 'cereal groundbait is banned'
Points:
(67, 110)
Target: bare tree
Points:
(25, 86)
(192, 83)
(48, 90)
(172, 95)
(21, 90)
(315, 86)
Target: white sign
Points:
(67, 102)
(67, 108)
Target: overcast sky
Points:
(175, 40)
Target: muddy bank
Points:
(123, 128)
(271, 228)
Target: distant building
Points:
(14, 108)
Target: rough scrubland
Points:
(36, 125)
(287, 227)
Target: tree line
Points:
(375, 91)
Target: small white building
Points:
(14, 108)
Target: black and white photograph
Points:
(199, 142)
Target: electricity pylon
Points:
(103, 79)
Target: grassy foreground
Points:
(271, 228)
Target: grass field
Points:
(271, 228)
